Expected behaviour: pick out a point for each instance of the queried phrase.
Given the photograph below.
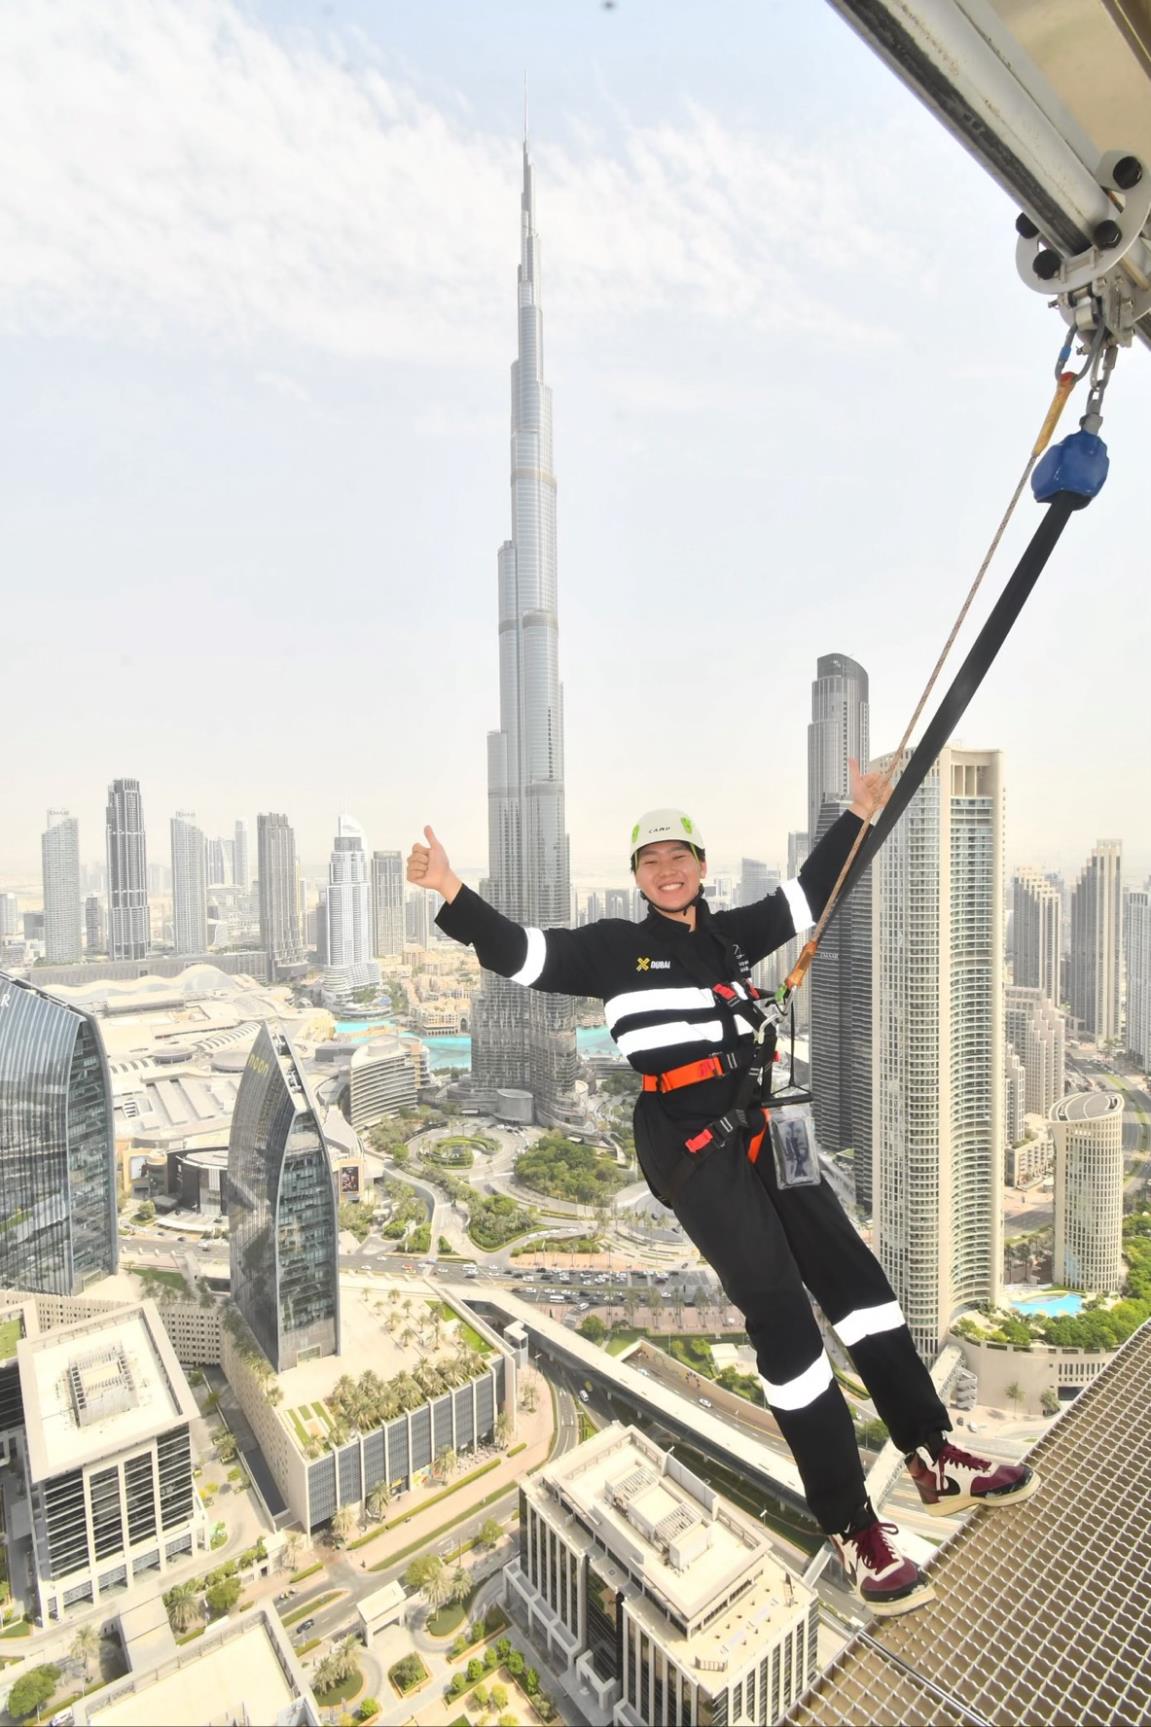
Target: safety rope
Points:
(1099, 362)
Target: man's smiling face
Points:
(668, 873)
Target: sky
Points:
(257, 314)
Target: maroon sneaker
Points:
(956, 1479)
(878, 1573)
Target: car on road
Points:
(304, 1625)
(583, 1397)
(705, 1403)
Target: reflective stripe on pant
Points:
(764, 1246)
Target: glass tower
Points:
(282, 1210)
(129, 925)
(189, 886)
(838, 731)
(523, 1039)
(60, 850)
(279, 896)
(57, 1149)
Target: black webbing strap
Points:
(967, 680)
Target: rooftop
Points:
(99, 1386)
(696, 1553)
(240, 1670)
(1042, 1612)
(1087, 1106)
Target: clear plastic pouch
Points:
(793, 1144)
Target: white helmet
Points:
(656, 825)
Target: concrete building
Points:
(841, 1028)
(1036, 932)
(655, 1598)
(1096, 942)
(241, 1670)
(938, 1039)
(282, 1209)
(9, 915)
(95, 926)
(1138, 1019)
(434, 1390)
(108, 1456)
(838, 731)
(129, 918)
(1087, 1129)
(388, 903)
(756, 880)
(1014, 1099)
(57, 1152)
(240, 875)
(617, 903)
(419, 918)
(60, 856)
(385, 1076)
(189, 885)
(1037, 1031)
(279, 913)
(523, 1039)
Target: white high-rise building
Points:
(419, 911)
(240, 857)
(1014, 1095)
(938, 1042)
(189, 886)
(1036, 1030)
(388, 902)
(1138, 1034)
(60, 852)
(1037, 932)
(1087, 1128)
(523, 1039)
(129, 916)
(1096, 944)
(349, 897)
(9, 915)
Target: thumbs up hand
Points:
(428, 867)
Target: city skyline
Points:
(693, 490)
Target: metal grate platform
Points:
(1043, 1612)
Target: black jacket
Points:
(657, 1009)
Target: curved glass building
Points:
(282, 1210)
(57, 1146)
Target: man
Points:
(680, 1005)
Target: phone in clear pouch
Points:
(793, 1143)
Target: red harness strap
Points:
(691, 1073)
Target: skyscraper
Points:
(839, 996)
(129, 921)
(189, 889)
(216, 863)
(838, 731)
(279, 911)
(60, 853)
(418, 911)
(95, 927)
(240, 857)
(1087, 1128)
(1138, 1035)
(9, 915)
(282, 1209)
(349, 898)
(57, 1150)
(523, 1039)
(938, 1038)
(1096, 930)
(387, 903)
(1036, 1031)
(1037, 932)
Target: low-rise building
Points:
(242, 1670)
(106, 1455)
(385, 1076)
(657, 1599)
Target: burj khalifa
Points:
(523, 1040)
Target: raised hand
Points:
(428, 866)
(868, 791)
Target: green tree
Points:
(480, 1697)
(531, 1681)
(183, 1607)
(490, 1532)
(498, 1696)
(515, 1664)
(475, 1669)
(223, 1596)
(29, 1694)
(378, 1500)
(437, 1587)
(420, 1569)
(593, 1328)
(342, 1523)
(1015, 1394)
(368, 1707)
(1049, 1401)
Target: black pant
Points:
(765, 1244)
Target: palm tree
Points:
(346, 1657)
(183, 1604)
(327, 1675)
(461, 1584)
(437, 1587)
(292, 1543)
(449, 1462)
(342, 1523)
(85, 1648)
(378, 1500)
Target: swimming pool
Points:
(1049, 1303)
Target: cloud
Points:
(185, 174)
